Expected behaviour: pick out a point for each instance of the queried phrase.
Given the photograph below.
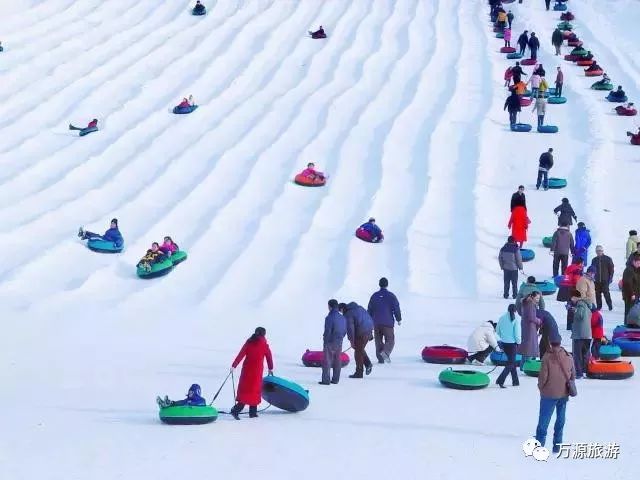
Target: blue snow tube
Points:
(284, 394)
(547, 287)
(610, 352)
(520, 127)
(104, 246)
(560, 7)
(199, 11)
(514, 56)
(184, 110)
(557, 100)
(630, 346)
(500, 358)
(547, 129)
(527, 254)
(615, 99)
(86, 131)
(557, 182)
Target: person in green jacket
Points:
(525, 290)
(581, 333)
(632, 242)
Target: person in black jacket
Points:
(540, 70)
(523, 41)
(544, 165)
(517, 73)
(565, 213)
(534, 45)
(604, 276)
(518, 199)
(510, 18)
(512, 104)
(557, 40)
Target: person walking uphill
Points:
(512, 105)
(545, 163)
(385, 311)
(519, 224)
(562, 245)
(509, 331)
(565, 213)
(557, 40)
(583, 242)
(510, 261)
(605, 269)
(254, 351)
(540, 106)
(530, 323)
(359, 332)
(517, 73)
(510, 18)
(523, 41)
(534, 45)
(556, 371)
(335, 328)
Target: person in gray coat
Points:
(359, 332)
(562, 244)
(510, 261)
(335, 328)
(581, 333)
(565, 213)
(529, 323)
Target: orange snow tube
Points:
(609, 369)
(310, 182)
(584, 63)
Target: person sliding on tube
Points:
(199, 8)
(318, 33)
(311, 173)
(111, 235)
(186, 102)
(588, 56)
(153, 255)
(194, 398)
(619, 93)
(169, 247)
(92, 124)
(594, 67)
(373, 229)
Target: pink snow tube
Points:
(528, 61)
(626, 112)
(313, 358)
(626, 334)
(507, 50)
(444, 354)
(365, 236)
(525, 101)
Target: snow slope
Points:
(402, 106)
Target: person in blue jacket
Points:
(583, 242)
(359, 332)
(194, 398)
(385, 311)
(373, 229)
(111, 235)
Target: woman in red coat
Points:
(255, 349)
(519, 223)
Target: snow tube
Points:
(546, 241)
(500, 358)
(635, 140)
(577, 52)
(575, 43)
(463, 379)
(609, 352)
(199, 11)
(528, 61)
(614, 99)
(520, 127)
(158, 269)
(527, 254)
(548, 129)
(527, 93)
(571, 58)
(609, 369)
(567, 16)
(86, 131)
(309, 182)
(284, 394)
(630, 346)
(593, 73)
(104, 246)
(557, 183)
(532, 367)
(602, 86)
(507, 50)
(444, 354)
(500, 35)
(565, 26)
(547, 287)
(514, 56)
(188, 415)
(626, 112)
(365, 236)
(623, 331)
(313, 358)
(525, 102)
(560, 7)
(177, 257)
(184, 110)
(557, 100)
(584, 63)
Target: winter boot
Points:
(368, 369)
(385, 357)
(356, 375)
(253, 412)
(235, 412)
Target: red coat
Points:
(92, 124)
(571, 275)
(519, 223)
(597, 328)
(250, 384)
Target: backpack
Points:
(543, 85)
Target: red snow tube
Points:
(594, 73)
(362, 234)
(575, 43)
(310, 182)
(567, 16)
(444, 354)
(571, 58)
(566, 34)
(507, 50)
(584, 63)
(525, 101)
(626, 112)
(528, 61)
(313, 358)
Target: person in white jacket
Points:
(482, 341)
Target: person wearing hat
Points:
(384, 308)
(194, 399)
(111, 235)
(582, 242)
(587, 288)
(604, 270)
(482, 341)
(254, 352)
(373, 230)
(335, 328)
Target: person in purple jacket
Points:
(385, 311)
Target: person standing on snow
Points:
(604, 269)
(534, 45)
(254, 352)
(632, 243)
(510, 18)
(562, 245)
(530, 323)
(581, 334)
(586, 286)
(519, 224)
(547, 3)
(335, 328)
(540, 105)
(559, 82)
(597, 333)
(548, 331)
(482, 341)
(523, 41)
(518, 199)
(534, 81)
(385, 311)
(512, 105)
(507, 37)
(517, 73)
(583, 242)
(527, 289)
(359, 332)
(557, 40)
(508, 330)
(565, 213)
(544, 165)
(631, 284)
(510, 261)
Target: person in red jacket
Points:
(569, 280)
(597, 333)
(254, 351)
(519, 223)
(93, 123)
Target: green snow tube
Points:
(546, 241)
(463, 379)
(602, 86)
(532, 367)
(178, 256)
(156, 270)
(188, 415)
